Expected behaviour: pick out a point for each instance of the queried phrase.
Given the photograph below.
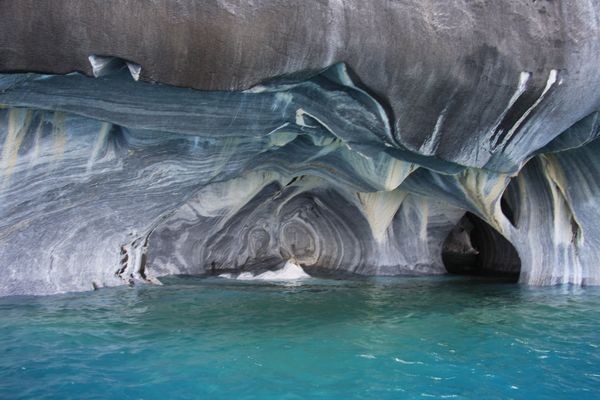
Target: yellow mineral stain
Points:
(19, 121)
(99, 144)
(484, 190)
(383, 171)
(281, 138)
(424, 207)
(567, 228)
(35, 154)
(228, 197)
(397, 172)
(59, 133)
(564, 215)
(380, 209)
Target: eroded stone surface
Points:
(479, 83)
(336, 139)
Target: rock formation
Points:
(139, 139)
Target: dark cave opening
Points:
(474, 248)
(509, 203)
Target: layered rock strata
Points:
(337, 140)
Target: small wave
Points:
(369, 356)
(401, 361)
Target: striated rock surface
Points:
(349, 136)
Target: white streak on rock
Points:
(522, 86)
(552, 77)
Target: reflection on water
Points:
(379, 338)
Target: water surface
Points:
(323, 339)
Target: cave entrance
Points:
(473, 247)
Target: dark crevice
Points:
(507, 210)
(103, 65)
(516, 111)
(142, 270)
(509, 203)
(531, 115)
(475, 248)
(124, 259)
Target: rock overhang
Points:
(360, 157)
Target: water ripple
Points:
(417, 337)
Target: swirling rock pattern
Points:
(348, 135)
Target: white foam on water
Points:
(369, 356)
(245, 276)
(401, 361)
(290, 271)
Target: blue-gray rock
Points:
(347, 135)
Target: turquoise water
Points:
(325, 339)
